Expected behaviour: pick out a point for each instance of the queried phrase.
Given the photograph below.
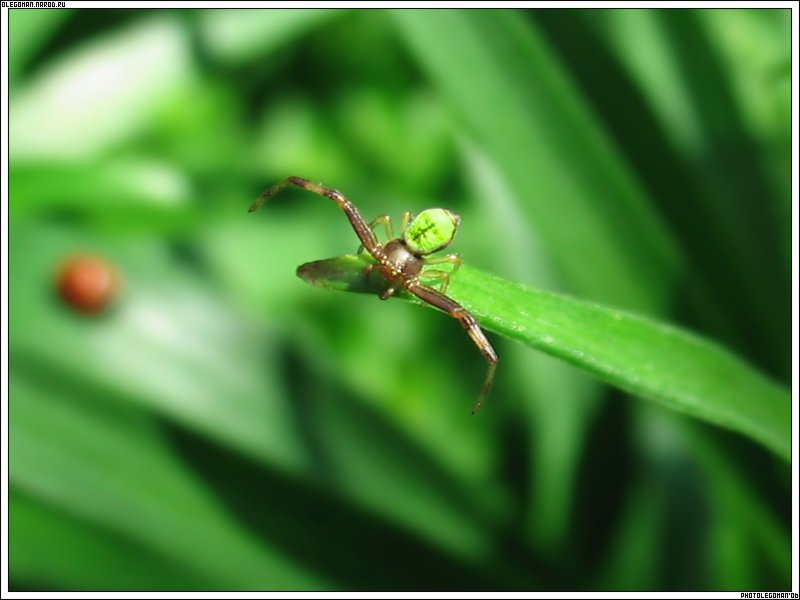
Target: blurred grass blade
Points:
(657, 361)
(28, 31)
(743, 512)
(634, 555)
(168, 346)
(725, 207)
(527, 116)
(172, 348)
(84, 556)
(114, 469)
(557, 429)
(240, 35)
(92, 83)
(128, 194)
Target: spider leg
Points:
(455, 310)
(407, 216)
(388, 292)
(391, 290)
(384, 220)
(362, 229)
(453, 259)
(443, 276)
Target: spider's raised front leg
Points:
(384, 220)
(455, 310)
(361, 227)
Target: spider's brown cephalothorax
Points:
(401, 260)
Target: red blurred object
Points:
(87, 283)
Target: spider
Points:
(400, 260)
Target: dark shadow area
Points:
(603, 478)
(686, 516)
(746, 206)
(328, 416)
(764, 474)
(514, 549)
(349, 545)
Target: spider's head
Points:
(431, 230)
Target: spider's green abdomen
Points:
(431, 230)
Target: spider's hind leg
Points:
(470, 325)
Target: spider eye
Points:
(431, 230)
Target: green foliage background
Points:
(226, 426)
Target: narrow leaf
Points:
(675, 368)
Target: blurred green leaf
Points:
(294, 137)
(727, 210)
(127, 194)
(675, 368)
(80, 555)
(634, 555)
(171, 347)
(525, 114)
(86, 102)
(199, 127)
(753, 542)
(28, 31)
(225, 426)
(557, 429)
(406, 136)
(113, 469)
(154, 347)
(237, 35)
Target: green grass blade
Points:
(172, 349)
(728, 214)
(82, 555)
(118, 471)
(675, 368)
(520, 106)
(28, 31)
(238, 36)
